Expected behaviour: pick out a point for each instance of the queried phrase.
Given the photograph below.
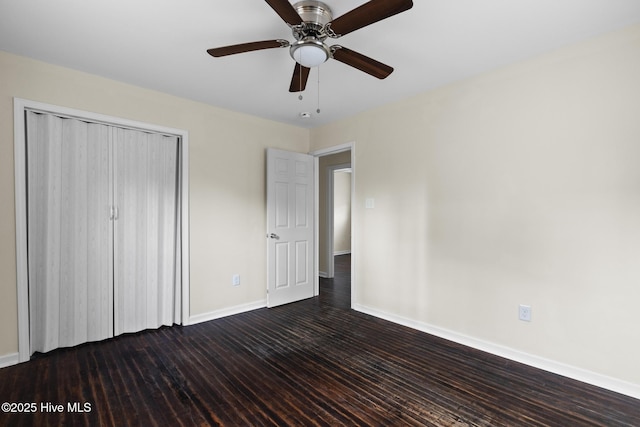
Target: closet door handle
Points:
(274, 236)
(114, 213)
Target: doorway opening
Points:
(335, 232)
(337, 214)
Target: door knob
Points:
(274, 236)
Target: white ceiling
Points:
(161, 45)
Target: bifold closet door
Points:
(146, 201)
(69, 232)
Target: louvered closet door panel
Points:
(69, 232)
(145, 171)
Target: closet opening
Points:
(101, 226)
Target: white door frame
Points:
(350, 146)
(19, 107)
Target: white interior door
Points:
(146, 224)
(290, 227)
(69, 233)
(103, 227)
(65, 221)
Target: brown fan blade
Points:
(246, 47)
(299, 79)
(368, 13)
(286, 11)
(361, 62)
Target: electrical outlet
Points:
(236, 280)
(524, 312)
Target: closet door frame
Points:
(20, 167)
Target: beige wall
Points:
(518, 186)
(227, 187)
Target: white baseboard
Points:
(323, 274)
(9, 359)
(230, 311)
(583, 375)
(336, 253)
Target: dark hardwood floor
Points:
(315, 362)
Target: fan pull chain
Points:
(318, 110)
(300, 77)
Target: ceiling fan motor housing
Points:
(315, 15)
(309, 49)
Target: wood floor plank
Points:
(312, 363)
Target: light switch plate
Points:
(370, 203)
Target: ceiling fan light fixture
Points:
(309, 52)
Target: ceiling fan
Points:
(311, 23)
